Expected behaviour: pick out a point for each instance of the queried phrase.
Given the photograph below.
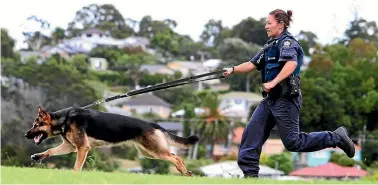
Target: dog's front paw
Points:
(36, 157)
(189, 173)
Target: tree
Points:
(361, 28)
(132, 64)
(283, 161)
(158, 166)
(58, 35)
(362, 49)
(178, 96)
(235, 51)
(150, 28)
(110, 54)
(34, 36)
(145, 27)
(105, 17)
(251, 31)
(7, 44)
(36, 40)
(211, 126)
(340, 88)
(341, 159)
(211, 33)
(81, 63)
(307, 39)
(58, 78)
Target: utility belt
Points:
(289, 87)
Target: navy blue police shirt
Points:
(280, 50)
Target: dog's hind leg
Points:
(143, 152)
(156, 145)
(176, 161)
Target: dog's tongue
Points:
(37, 138)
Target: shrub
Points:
(158, 166)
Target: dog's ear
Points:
(44, 115)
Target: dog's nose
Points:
(26, 135)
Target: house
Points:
(237, 104)
(89, 39)
(24, 55)
(219, 86)
(134, 41)
(147, 103)
(330, 171)
(187, 67)
(212, 64)
(156, 69)
(61, 50)
(98, 63)
(322, 157)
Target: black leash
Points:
(183, 81)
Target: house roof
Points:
(156, 68)
(26, 54)
(242, 95)
(134, 40)
(93, 31)
(185, 64)
(172, 126)
(330, 170)
(147, 99)
(116, 110)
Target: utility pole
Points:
(190, 151)
(363, 136)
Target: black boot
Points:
(345, 143)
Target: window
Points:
(98, 64)
(238, 101)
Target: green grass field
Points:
(16, 175)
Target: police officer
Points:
(280, 61)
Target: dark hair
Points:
(282, 16)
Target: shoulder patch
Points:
(287, 43)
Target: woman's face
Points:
(273, 27)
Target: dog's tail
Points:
(177, 141)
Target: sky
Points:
(328, 19)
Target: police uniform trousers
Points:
(283, 112)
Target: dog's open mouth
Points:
(40, 136)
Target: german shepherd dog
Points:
(82, 129)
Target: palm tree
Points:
(211, 126)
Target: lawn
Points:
(17, 175)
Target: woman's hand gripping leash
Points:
(228, 71)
